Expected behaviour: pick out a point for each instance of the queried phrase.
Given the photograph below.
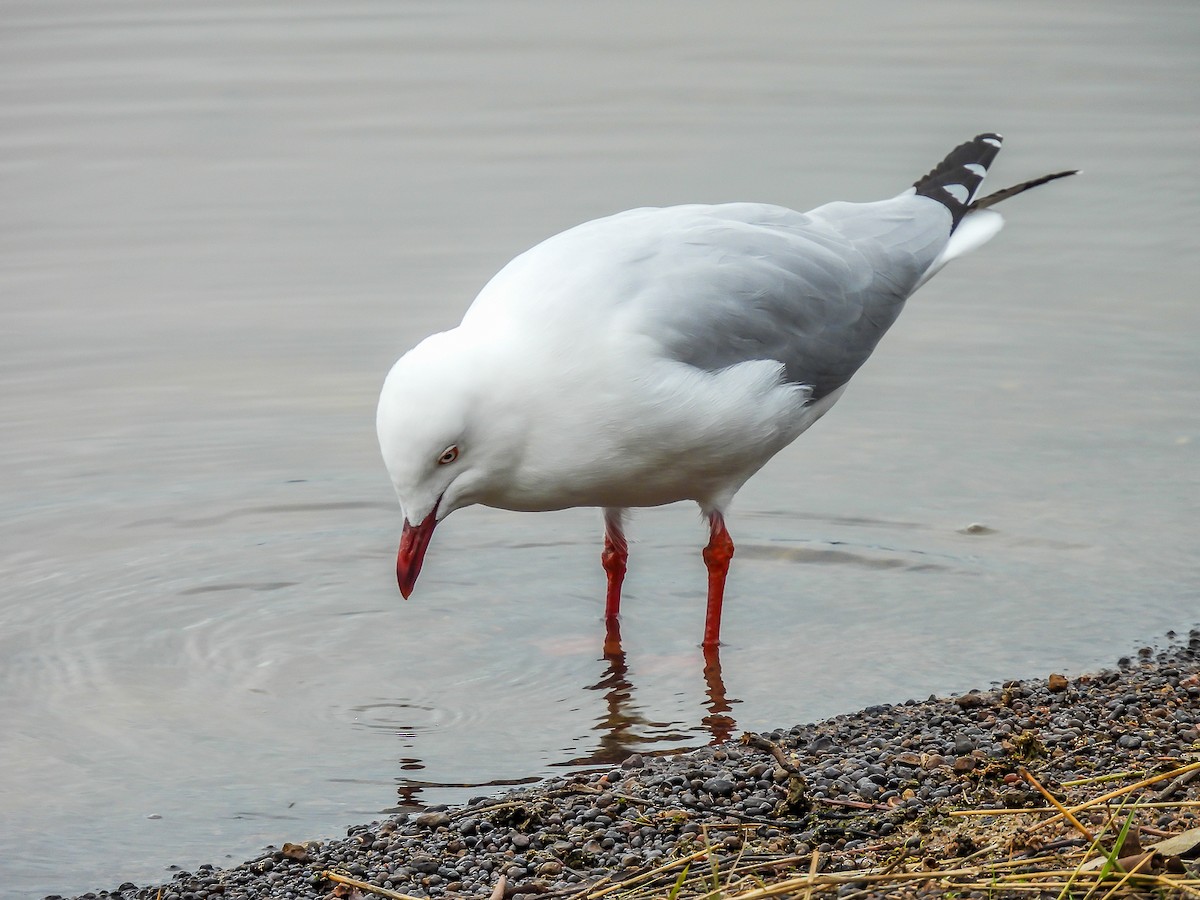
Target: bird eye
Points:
(449, 455)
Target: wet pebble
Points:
(721, 787)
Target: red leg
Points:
(717, 555)
(614, 558)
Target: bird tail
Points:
(956, 180)
(955, 183)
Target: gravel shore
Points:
(879, 794)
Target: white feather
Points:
(975, 230)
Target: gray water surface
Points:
(221, 222)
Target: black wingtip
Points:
(955, 181)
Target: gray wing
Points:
(815, 291)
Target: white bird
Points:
(663, 354)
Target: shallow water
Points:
(222, 222)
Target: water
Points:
(223, 221)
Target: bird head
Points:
(429, 450)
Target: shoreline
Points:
(894, 799)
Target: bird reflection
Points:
(625, 730)
(409, 793)
(719, 724)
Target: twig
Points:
(1028, 776)
(758, 742)
(791, 884)
(665, 867)
(990, 848)
(814, 865)
(1097, 779)
(1013, 811)
(1177, 884)
(1104, 798)
(853, 804)
(1175, 785)
(905, 853)
(775, 862)
(526, 801)
(370, 888)
(628, 799)
(1021, 862)
(477, 810)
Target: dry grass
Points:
(1078, 846)
(1007, 865)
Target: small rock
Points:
(721, 787)
(426, 865)
(297, 852)
(867, 789)
(1057, 683)
(433, 819)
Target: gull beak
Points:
(414, 541)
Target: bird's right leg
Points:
(614, 557)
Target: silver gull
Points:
(663, 354)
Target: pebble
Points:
(721, 787)
(873, 781)
(433, 819)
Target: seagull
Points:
(663, 354)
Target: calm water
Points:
(223, 221)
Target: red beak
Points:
(414, 541)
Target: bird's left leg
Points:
(717, 555)
(614, 557)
